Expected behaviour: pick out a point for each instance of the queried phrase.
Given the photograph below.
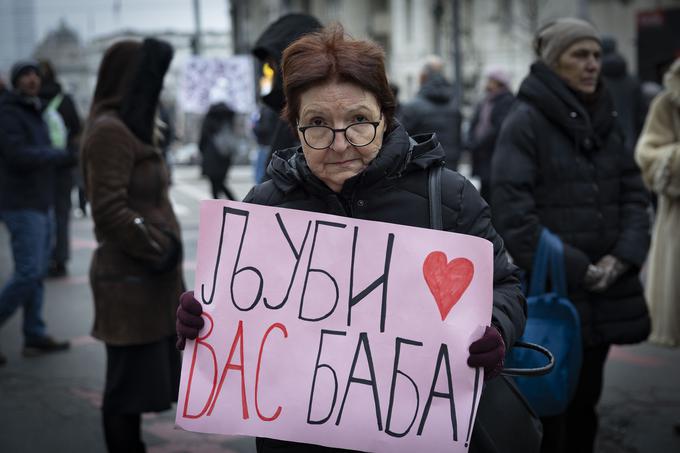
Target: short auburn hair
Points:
(332, 55)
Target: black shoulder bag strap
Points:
(492, 433)
(434, 190)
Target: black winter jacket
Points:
(393, 188)
(215, 163)
(434, 111)
(556, 166)
(269, 47)
(28, 159)
(482, 147)
(627, 95)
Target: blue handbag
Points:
(552, 322)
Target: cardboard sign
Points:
(335, 331)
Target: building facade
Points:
(17, 32)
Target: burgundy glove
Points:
(189, 320)
(488, 352)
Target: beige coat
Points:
(658, 154)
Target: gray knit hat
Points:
(555, 37)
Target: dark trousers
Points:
(123, 432)
(218, 187)
(62, 215)
(575, 431)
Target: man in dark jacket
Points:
(486, 124)
(269, 49)
(53, 97)
(26, 197)
(625, 90)
(263, 129)
(560, 163)
(435, 110)
(3, 90)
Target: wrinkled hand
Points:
(593, 275)
(488, 352)
(189, 320)
(610, 269)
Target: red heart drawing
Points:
(447, 280)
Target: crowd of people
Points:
(572, 151)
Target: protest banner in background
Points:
(206, 81)
(335, 331)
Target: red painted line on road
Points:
(74, 280)
(177, 440)
(83, 244)
(93, 397)
(623, 355)
(82, 340)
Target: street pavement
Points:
(51, 403)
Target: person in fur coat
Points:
(658, 155)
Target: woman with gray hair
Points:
(560, 163)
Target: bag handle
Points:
(539, 371)
(434, 190)
(549, 258)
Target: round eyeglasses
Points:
(356, 134)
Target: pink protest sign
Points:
(335, 331)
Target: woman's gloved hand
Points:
(610, 268)
(189, 320)
(488, 352)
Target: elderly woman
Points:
(560, 163)
(357, 161)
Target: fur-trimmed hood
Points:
(672, 81)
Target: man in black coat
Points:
(561, 163)
(486, 124)
(435, 110)
(26, 198)
(52, 96)
(626, 92)
(269, 49)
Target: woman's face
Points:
(337, 105)
(580, 65)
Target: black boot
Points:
(123, 432)
(43, 345)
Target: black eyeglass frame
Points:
(375, 125)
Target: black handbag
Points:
(505, 422)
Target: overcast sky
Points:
(91, 18)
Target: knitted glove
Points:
(189, 320)
(488, 352)
(611, 269)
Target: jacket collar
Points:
(545, 90)
(31, 103)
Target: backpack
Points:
(55, 123)
(552, 321)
